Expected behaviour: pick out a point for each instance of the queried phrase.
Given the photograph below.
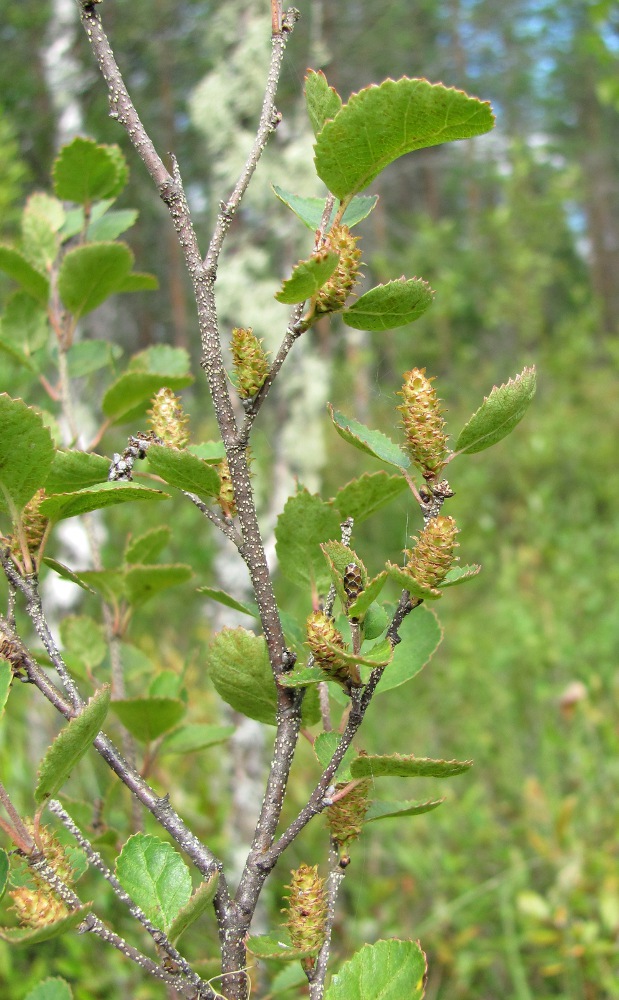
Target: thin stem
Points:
(18, 831)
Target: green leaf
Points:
(148, 718)
(25, 323)
(51, 989)
(139, 281)
(41, 219)
(304, 523)
(67, 574)
(48, 208)
(26, 453)
(367, 440)
(4, 869)
(362, 497)
(111, 225)
(209, 451)
(322, 101)
(147, 547)
(16, 354)
(460, 574)
(161, 359)
(156, 878)
(83, 637)
(138, 387)
(72, 743)
(75, 220)
(184, 471)
(362, 607)
(325, 746)
(421, 634)
(13, 263)
(90, 274)
(302, 676)
(308, 277)
(60, 506)
(376, 618)
(397, 765)
(311, 210)
(197, 905)
(389, 970)
(90, 356)
(246, 608)
(6, 676)
(143, 582)
(386, 307)
(277, 945)
(167, 684)
(238, 665)
(338, 557)
(498, 414)
(85, 171)
(72, 471)
(408, 582)
(25, 936)
(383, 122)
(195, 736)
(388, 810)
(110, 583)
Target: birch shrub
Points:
(366, 629)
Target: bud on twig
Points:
(226, 499)
(34, 524)
(251, 365)
(426, 440)
(307, 911)
(324, 640)
(168, 420)
(334, 293)
(434, 553)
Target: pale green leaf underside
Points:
(370, 441)
(156, 877)
(387, 970)
(311, 210)
(383, 122)
(184, 471)
(307, 278)
(64, 505)
(148, 718)
(498, 414)
(388, 810)
(71, 744)
(386, 307)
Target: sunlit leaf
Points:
(386, 307)
(156, 878)
(498, 414)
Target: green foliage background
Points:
(512, 884)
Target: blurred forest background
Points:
(513, 884)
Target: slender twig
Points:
(17, 829)
(95, 859)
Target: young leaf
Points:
(63, 505)
(372, 442)
(111, 225)
(383, 122)
(325, 746)
(136, 388)
(408, 582)
(387, 810)
(278, 946)
(311, 210)
(498, 414)
(50, 989)
(362, 497)
(143, 582)
(84, 638)
(72, 471)
(90, 274)
(147, 547)
(71, 744)
(13, 263)
(197, 905)
(85, 171)
(238, 665)
(26, 453)
(194, 737)
(397, 765)
(322, 101)
(421, 634)
(25, 936)
(6, 676)
(4, 868)
(304, 523)
(184, 471)
(208, 451)
(67, 574)
(156, 878)
(391, 970)
(148, 718)
(246, 608)
(40, 223)
(460, 574)
(90, 356)
(386, 307)
(366, 600)
(308, 277)
(16, 354)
